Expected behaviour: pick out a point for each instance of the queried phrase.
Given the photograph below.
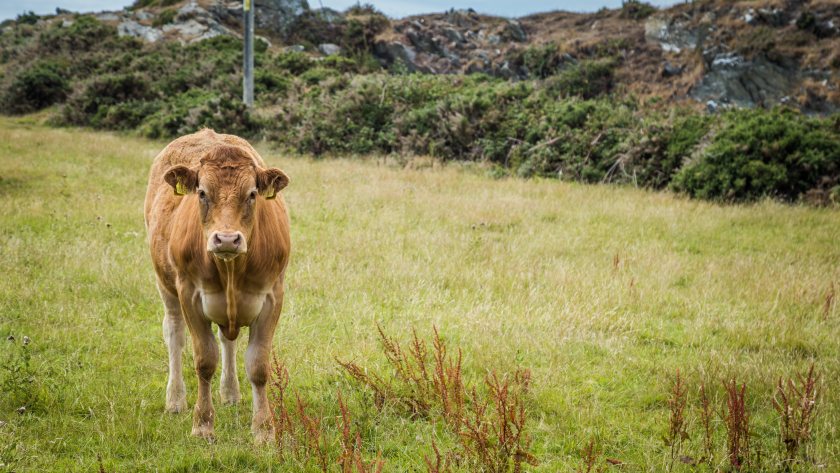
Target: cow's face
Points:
(229, 189)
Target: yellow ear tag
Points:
(270, 192)
(180, 188)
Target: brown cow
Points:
(219, 237)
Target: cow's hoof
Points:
(230, 397)
(176, 407)
(263, 436)
(205, 432)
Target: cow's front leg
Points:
(205, 356)
(257, 365)
(229, 387)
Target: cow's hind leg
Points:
(175, 338)
(229, 387)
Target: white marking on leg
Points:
(175, 338)
(229, 387)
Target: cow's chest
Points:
(248, 305)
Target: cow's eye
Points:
(253, 196)
(202, 195)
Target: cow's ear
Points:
(271, 181)
(182, 179)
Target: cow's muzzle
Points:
(227, 245)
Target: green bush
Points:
(165, 17)
(363, 24)
(540, 61)
(587, 79)
(42, 84)
(92, 104)
(295, 63)
(756, 153)
(636, 9)
(196, 109)
(27, 18)
(85, 34)
(269, 82)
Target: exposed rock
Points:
(513, 31)
(191, 10)
(143, 15)
(295, 48)
(194, 30)
(453, 35)
(329, 49)
(670, 70)
(107, 16)
(462, 18)
(136, 30)
(328, 14)
(672, 34)
(278, 16)
(738, 81)
(396, 52)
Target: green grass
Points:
(515, 272)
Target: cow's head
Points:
(229, 188)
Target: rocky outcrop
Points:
(136, 30)
(275, 16)
(458, 41)
(191, 23)
(674, 34)
(731, 79)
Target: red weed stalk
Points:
(590, 459)
(737, 422)
(676, 422)
(796, 407)
(706, 413)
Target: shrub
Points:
(636, 9)
(540, 61)
(165, 17)
(587, 79)
(40, 85)
(92, 104)
(27, 18)
(294, 62)
(85, 34)
(317, 75)
(193, 110)
(363, 24)
(661, 146)
(269, 82)
(758, 154)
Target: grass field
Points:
(602, 292)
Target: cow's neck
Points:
(229, 270)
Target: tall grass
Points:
(514, 273)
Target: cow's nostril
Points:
(216, 240)
(238, 240)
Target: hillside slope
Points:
(714, 52)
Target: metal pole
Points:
(248, 66)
